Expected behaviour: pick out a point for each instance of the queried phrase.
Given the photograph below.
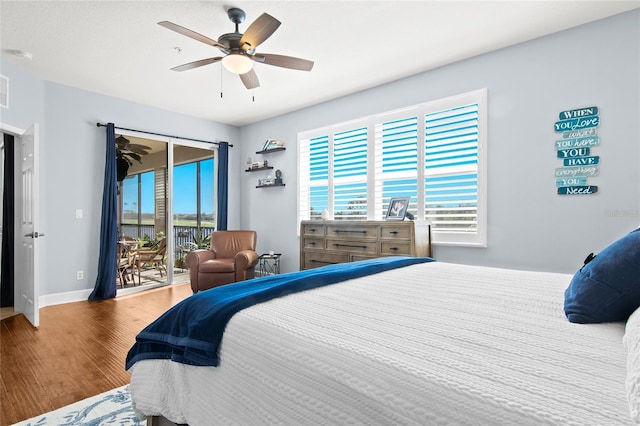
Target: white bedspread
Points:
(430, 344)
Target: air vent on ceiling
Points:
(4, 91)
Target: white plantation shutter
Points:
(434, 153)
(397, 162)
(350, 149)
(451, 170)
(313, 177)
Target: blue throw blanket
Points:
(191, 331)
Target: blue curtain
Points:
(105, 287)
(223, 185)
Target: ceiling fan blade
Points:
(250, 79)
(259, 30)
(192, 34)
(284, 61)
(196, 64)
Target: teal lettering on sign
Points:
(577, 190)
(573, 181)
(580, 133)
(578, 171)
(577, 123)
(575, 113)
(581, 161)
(573, 152)
(578, 142)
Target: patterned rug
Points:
(110, 408)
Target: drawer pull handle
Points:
(313, 243)
(337, 231)
(322, 261)
(312, 230)
(393, 232)
(393, 248)
(349, 245)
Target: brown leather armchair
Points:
(230, 258)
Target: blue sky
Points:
(184, 189)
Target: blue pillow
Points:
(607, 288)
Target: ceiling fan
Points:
(239, 49)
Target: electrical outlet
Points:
(80, 275)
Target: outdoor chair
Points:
(127, 263)
(154, 258)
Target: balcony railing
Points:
(182, 235)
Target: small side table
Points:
(269, 264)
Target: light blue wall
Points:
(72, 151)
(530, 227)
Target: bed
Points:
(427, 343)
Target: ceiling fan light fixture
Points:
(237, 63)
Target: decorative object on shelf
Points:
(325, 214)
(258, 165)
(278, 180)
(579, 135)
(270, 144)
(397, 208)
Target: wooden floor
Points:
(78, 351)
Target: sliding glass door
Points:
(193, 202)
(166, 209)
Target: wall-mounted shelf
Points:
(269, 186)
(259, 168)
(268, 151)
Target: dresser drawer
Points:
(391, 232)
(352, 245)
(315, 259)
(352, 230)
(395, 248)
(313, 243)
(356, 257)
(313, 229)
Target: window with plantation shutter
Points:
(433, 153)
(451, 170)
(396, 159)
(350, 174)
(313, 193)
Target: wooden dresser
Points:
(324, 242)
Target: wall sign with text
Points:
(578, 129)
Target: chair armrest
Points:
(246, 259)
(197, 256)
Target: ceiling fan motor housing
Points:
(231, 41)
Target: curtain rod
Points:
(162, 134)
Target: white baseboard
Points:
(83, 295)
(66, 297)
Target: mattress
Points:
(433, 343)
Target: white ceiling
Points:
(118, 49)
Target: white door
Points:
(26, 260)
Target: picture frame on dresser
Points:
(397, 208)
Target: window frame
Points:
(374, 179)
